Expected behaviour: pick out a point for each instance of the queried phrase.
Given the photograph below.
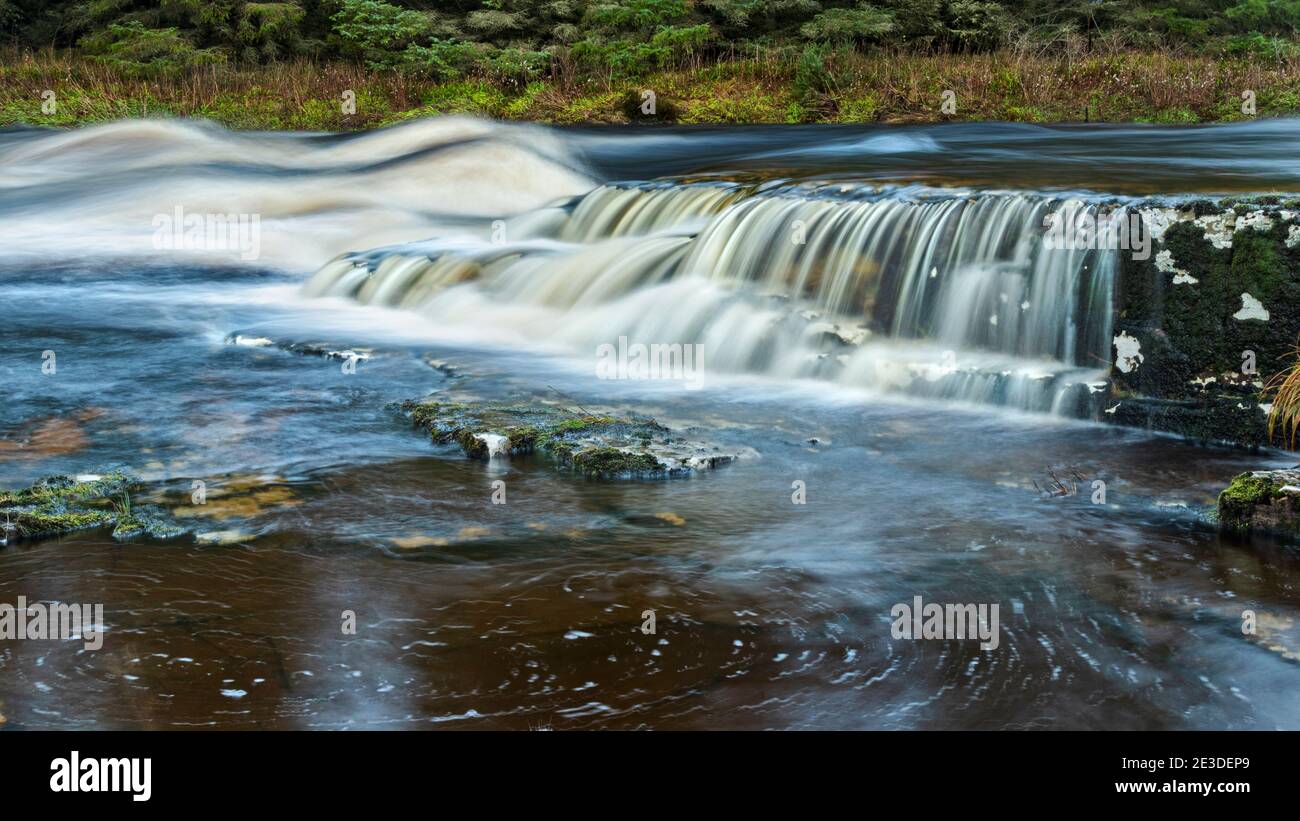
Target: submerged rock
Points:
(594, 445)
(58, 505)
(1263, 501)
(324, 350)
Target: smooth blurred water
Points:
(528, 615)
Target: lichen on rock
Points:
(1203, 325)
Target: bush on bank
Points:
(286, 64)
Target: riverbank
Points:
(886, 87)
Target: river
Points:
(883, 334)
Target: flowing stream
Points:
(876, 318)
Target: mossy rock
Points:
(603, 446)
(1263, 501)
(37, 524)
(1191, 333)
(609, 462)
(1239, 498)
(58, 505)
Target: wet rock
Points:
(444, 367)
(325, 350)
(603, 446)
(58, 505)
(1266, 501)
(1207, 319)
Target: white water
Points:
(314, 196)
(947, 296)
(937, 293)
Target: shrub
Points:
(377, 32)
(1259, 47)
(518, 66)
(635, 15)
(268, 31)
(443, 59)
(138, 51)
(974, 25)
(862, 24)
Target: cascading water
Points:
(195, 368)
(951, 296)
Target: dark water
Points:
(527, 615)
(1262, 156)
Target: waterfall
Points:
(942, 294)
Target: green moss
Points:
(64, 490)
(138, 523)
(59, 504)
(474, 447)
(561, 451)
(605, 462)
(33, 524)
(523, 439)
(592, 444)
(582, 423)
(1189, 332)
(423, 414)
(1242, 495)
(1025, 114)
(1255, 263)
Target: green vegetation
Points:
(1263, 503)
(59, 505)
(292, 64)
(592, 445)
(1240, 498)
(605, 462)
(1284, 389)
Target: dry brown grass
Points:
(1284, 417)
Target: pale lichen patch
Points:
(1218, 228)
(1158, 221)
(1165, 264)
(1256, 220)
(1251, 308)
(1128, 353)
